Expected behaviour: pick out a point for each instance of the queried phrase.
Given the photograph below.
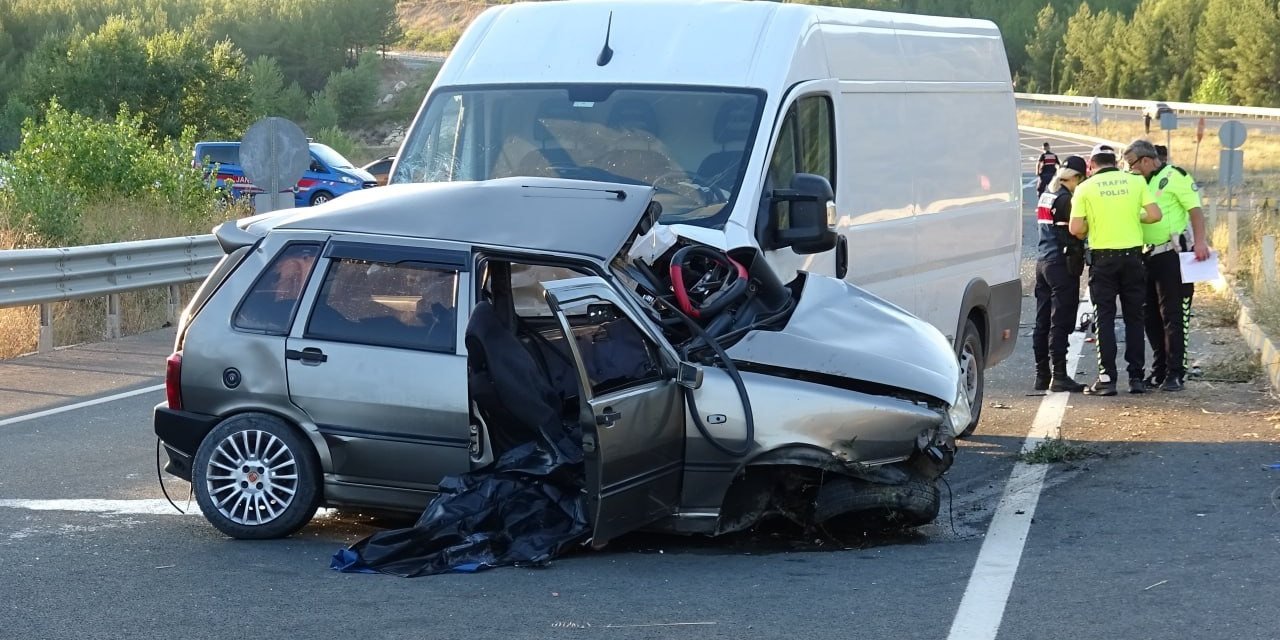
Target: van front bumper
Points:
(181, 432)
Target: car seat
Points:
(510, 390)
(551, 153)
(633, 156)
(732, 125)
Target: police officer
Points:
(1046, 167)
(1058, 267)
(1109, 210)
(1182, 229)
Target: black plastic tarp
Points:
(524, 509)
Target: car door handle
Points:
(310, 355)
(608, 417)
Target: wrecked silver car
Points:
(340, 357)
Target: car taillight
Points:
(173, 381)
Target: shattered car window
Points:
(268, 308)
(690, 143)
(406, 304)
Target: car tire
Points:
(845, 503)
(973, 363)
(256, 477)
(320, 197)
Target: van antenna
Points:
(606, 54)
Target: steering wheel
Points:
(706, 281)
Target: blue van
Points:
(329, 176)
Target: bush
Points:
(322, 114)
(353, 91)
(70, 159)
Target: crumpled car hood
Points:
(841, 330)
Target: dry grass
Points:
(1237, 365)
(1214, 309)
(85, 320)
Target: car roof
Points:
(538, 214)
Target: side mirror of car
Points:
(803, 217)
(689, 375)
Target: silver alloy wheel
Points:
(252, 477)
(320, 198)
(968, 370)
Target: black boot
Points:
(1061, 381)
(1042, 375)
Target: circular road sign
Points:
(1232, 134)
(274, 154)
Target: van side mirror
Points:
(803, 217)
(689, 375)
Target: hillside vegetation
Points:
(1216, 51)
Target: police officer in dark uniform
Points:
(1058, 267)
(1109, 210)
(1046, 167)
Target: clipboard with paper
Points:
(1199, 270)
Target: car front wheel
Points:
(972, 365)
(256, 477)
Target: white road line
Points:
(79, 405)
(121, 507)
(982, 607)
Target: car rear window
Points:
(270, 304)
(407, 304)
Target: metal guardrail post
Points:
(113, 316)
(45, 342)
(175, 303)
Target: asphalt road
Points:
(1173, 532)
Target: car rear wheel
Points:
(256, 477)
(972, 369)
(321, 197)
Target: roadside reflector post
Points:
(113, 316)
(46, 328)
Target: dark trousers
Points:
(1057, 297)
(1164, 315)
(1188, 292)
(1113, 275)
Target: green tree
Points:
(293, 103)
(321, 114)
(1044, 49)
(266, 87)
(1213, 89)
(352, 91)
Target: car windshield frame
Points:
(330, 156)
(416, 142)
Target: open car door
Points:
(633, 413)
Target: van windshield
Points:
(690, 143)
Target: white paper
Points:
(1199, 271)
(652, 244)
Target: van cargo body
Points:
(910, 118)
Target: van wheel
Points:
(321, 197)
(972, 371)
(256, 477)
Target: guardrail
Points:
(1183, 108)
(45, 276)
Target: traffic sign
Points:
(1095, 112)
(1231, 167)
(1232, 134)
(274, 155)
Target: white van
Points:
(720, 104)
